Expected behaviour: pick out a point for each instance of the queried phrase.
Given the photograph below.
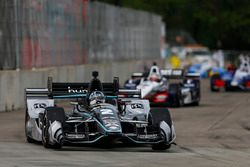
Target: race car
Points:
(155, 87)
(100, 114)
(232, 79)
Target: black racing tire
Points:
(180, 102)
(176, 90)
(162, 145)
(197, 103)
(28, 138)
(228, 88)
(50, 115)
(159, 114)
(214, 89)
(198, 87)
(155, 117)
(150, 119)
(45, 132)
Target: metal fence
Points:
(41, 33)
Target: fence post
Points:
(17, 36)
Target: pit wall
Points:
(13, 83)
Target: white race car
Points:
(156, 88)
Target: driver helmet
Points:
(230, 67)
(188, 81)
(96, 97)
(155, 78)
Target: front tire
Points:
(157, 115)
(162, 145)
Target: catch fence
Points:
(43, 33)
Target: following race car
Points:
(100, 113)
(156, 88)
(232, 79)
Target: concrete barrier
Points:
(13, 83)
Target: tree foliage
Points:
(207, 20)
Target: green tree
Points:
(207, 20)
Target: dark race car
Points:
(100, 114)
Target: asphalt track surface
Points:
(216, 133)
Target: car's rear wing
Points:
(65, 90)
(178, 74)
(137, 74)
(167, 73)
(173, 73)
(193, 75)
(70, 88)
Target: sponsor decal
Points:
(36, 106)
(177, 72)
(106, 112)
(70, 90)
(137, 106)
(109, 119)
(148, 136)
(75, 136)
(39, 105)
(111, 124)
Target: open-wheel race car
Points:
(232, 79)
(100, 113)
(156, 86)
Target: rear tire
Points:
(214, 89)
(197, 103)
(180, 101)
(228, 88)
(45, 132)
(28, 139)
(176, 90)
